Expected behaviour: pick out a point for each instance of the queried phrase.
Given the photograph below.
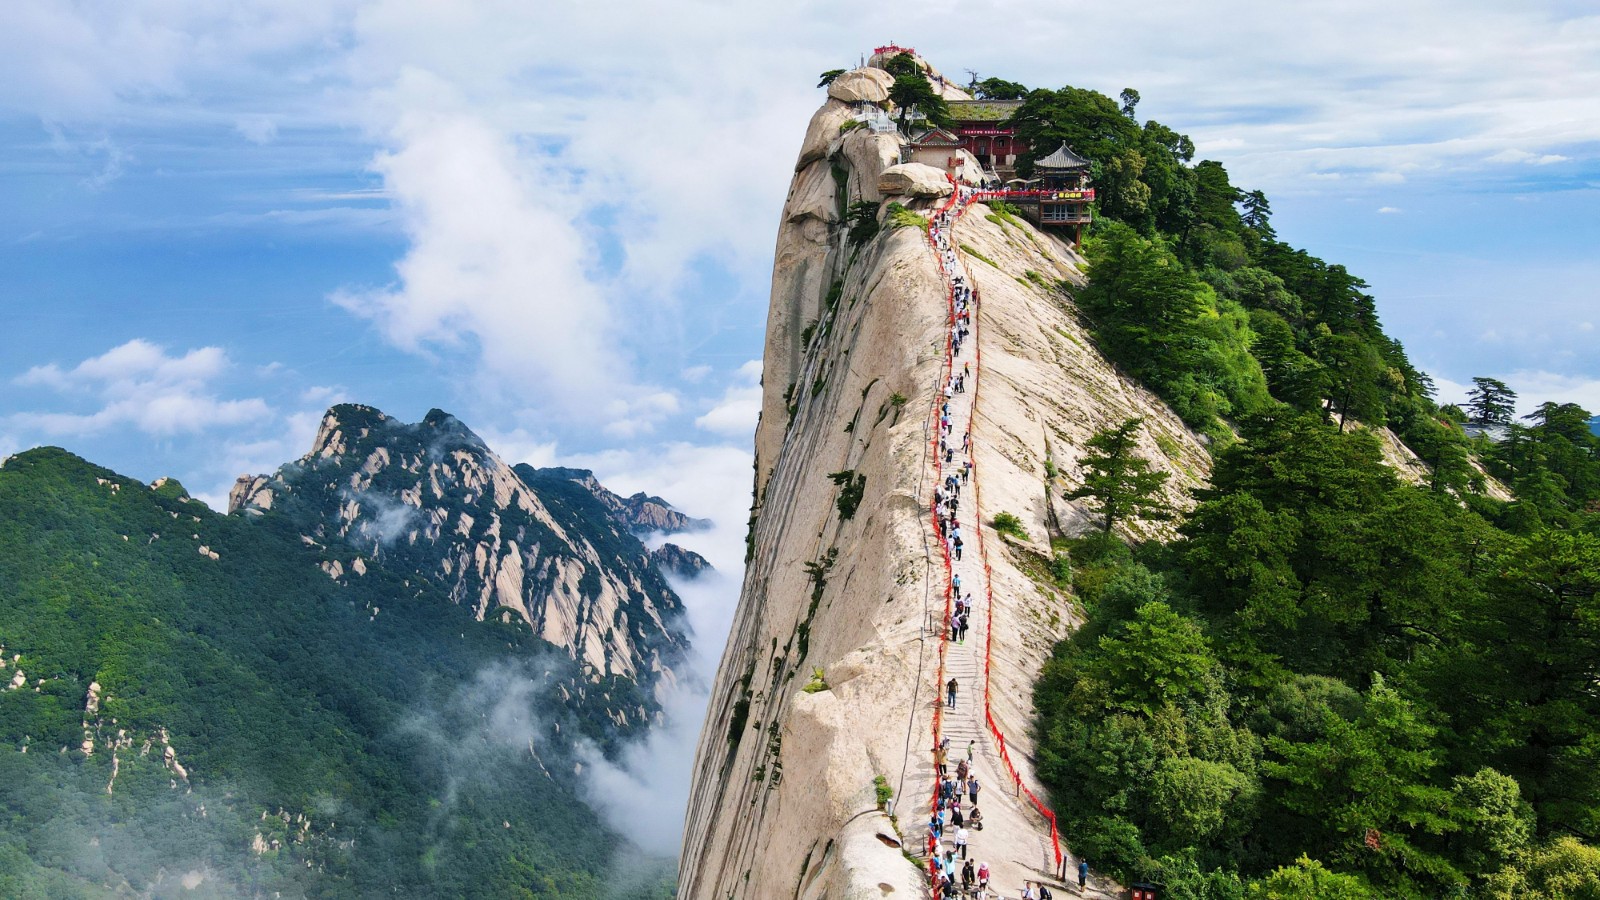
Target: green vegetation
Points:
(912, 91)
(374, 752)
(1121, 484)
(826, 78)
(998, 89)
(900, 217)
(817, 571)
(851, 489)
(1192, 292)
(885, 793)
(1334, 684)
(970, 251)
(817, 684)
(1338, 684)
(1008, 523)
(862, 222)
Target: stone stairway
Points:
(1015, 840)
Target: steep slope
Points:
(846, 575)
(189, 698)
(548, 547)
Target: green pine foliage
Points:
(1337, 683)
(1192, 292)
(373, 734)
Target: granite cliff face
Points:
(783, 801)
(551, 547)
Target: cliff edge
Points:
(827, 691)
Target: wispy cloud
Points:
(139, 384)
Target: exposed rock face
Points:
(823, 131)
(678, 561)
(432, 499)
(867, 85)
(914, 180)
(783, 781)
(640, 513)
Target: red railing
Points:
(933, 516)
(983, 551)
(1085, 194)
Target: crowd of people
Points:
(955, 817)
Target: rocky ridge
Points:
(552, 548)
(783, 801)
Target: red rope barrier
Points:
(995, 731)
(988, 584)
(933, 514)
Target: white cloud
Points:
(139, 384)
(1388, 210)
(711, 482)
(497, 259)
(520, 446)
(736, 413)
(1533, 387)
(1523, 156)
(257, 129)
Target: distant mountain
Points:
(1594, 425)
(366, 681)
(433, 501)
(641, 513)
(670, 557)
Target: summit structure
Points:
(924, 373)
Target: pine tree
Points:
(1121, 484)
(1491, 402)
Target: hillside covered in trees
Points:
(1336, 682)
(188, 698)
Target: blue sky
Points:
(557, 221)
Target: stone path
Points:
(1015, 840)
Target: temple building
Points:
(980, 126)
(1065, 197)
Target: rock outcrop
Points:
(640, 513)
(675, 560)
(783, 803)
(914, 180)
(866, 85)
(551, 547)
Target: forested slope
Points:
(328, 737)
(1337, 682)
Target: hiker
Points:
(968, 876)
(1083, 874)
(972, 746)
(975, 819)
(961, 841)
(950, 688)
(983, 875)
(972, 783)
(939, 759)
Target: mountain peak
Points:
(432, 499)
